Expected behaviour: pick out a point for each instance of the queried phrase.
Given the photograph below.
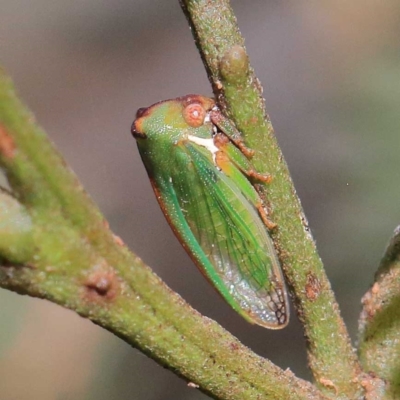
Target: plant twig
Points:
(74, 260)
(331, 356)
(379, 325)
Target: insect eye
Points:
(194, 115)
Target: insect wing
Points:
(224, 235)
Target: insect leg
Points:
(230, 130)
(263, 209)
(236, 156)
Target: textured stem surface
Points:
(379, 325)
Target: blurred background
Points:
(331, 77)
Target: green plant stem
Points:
(379, 325)
(331, 356)
(74, 260)
(16, 242)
